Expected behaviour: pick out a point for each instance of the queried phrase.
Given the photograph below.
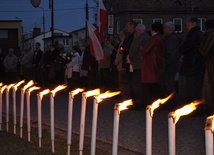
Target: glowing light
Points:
(76, 91)
(124, 105)
(18, 84)
(33, 88)
(105, 95)
(29, 84)
(92, 92)
(58, 88)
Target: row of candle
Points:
(98, 97)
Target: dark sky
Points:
(69, 14)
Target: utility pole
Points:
(51, 5)
(86, 19)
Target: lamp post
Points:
(43, 24)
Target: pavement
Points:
(190, 137)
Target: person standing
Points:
(10, 64)
(139, 41)
(37, 57)
(172, 57)
(152, 65)
(2, 69)
(192, 67)
(206, 48)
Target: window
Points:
(178, 24)
(158, 20)
(3, 34)
(202, 23)
(138, 20)
(66, 42)
(118, 26)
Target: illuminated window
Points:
(178, 24)
(202, 23)
(158, 20)
(138, 20)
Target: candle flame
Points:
(44, 92)
(92, 92)
(185, 110)
(107, 94)
(210, 123)
(123, 106)
(76, 91)
(1, 84)
(158, 102)
(58, 88)
(18, 84)
(29, 84)
(33, 88)
(3, 88)
(9, 86)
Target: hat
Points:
(192, 19)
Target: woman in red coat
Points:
(152, 65)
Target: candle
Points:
(82, 119)
(209, 135)
(149, 114)
(173, 119)
(28, 108)
(117, 109)
(39, 104)
(70, 113)
(7, 105)
(53, 92)
(29, 84)
(97, 100)
(148, 131)
(1, 92)
(15, 87)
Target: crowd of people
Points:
(144, 65)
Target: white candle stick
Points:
(52, 120)
(148, 131)
(171, 136)
(39, 104)
(82, 123)
(209, 135)
(1, 92)
(115, 130)
(94, 127)
(28, 114)
(7, 105)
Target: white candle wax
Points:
(115, 132)
(94, 127)
(14, 110)
(7, 109)
(28, 114)
(21, 111)
(39, 104)
(52, 119)
(70, 113)
(82, 123)
(209, 142)
(1, 109)
(148, 132)
(171, 136)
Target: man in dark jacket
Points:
(192, 67)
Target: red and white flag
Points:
(95, 47)
(102, 16)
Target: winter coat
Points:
(10, 63)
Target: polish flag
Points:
(95, 47)
(102, 17)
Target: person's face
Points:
(166, 30)
(190, 25)
(37, 46)
(129, 28)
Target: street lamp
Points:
(43, 24)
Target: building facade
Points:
(150, 11)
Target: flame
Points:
(44, 92)
(30, 83)
(158, 102)
(210, 123)
(18, 84)
(121, 49)
(123, 106)
(9, 86)
(185, 110)
(1, 84)
(92, 92)
(58, 88)
(107, 94)
(33, 88)
(76, 91)
(3, 88)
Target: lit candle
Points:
(29, 84)
(173, 119)
(15, 87)
(53, 92)
(70, 113)
(82, 119)
(7, 105)
(117, 109)
(39, 104)
(97, 100)
(149, 114)
(28, 108)
(209, 135)
(1, 92)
